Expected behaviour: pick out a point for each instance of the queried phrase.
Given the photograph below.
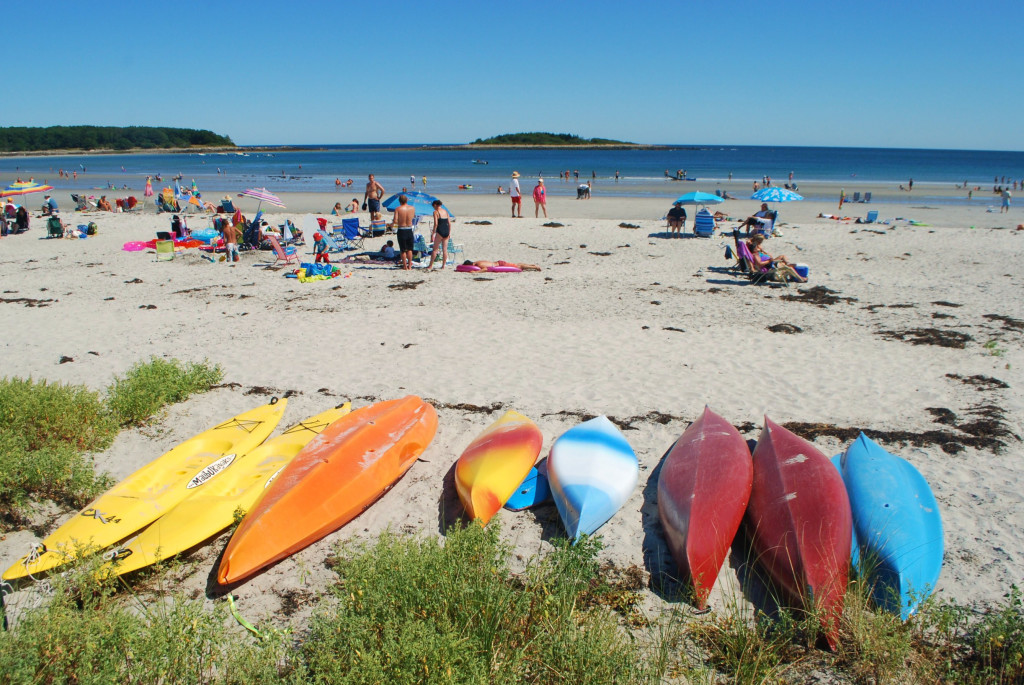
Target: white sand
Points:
(590, 333)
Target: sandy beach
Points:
(621, 320)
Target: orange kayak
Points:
(337, 476)
(495, 463)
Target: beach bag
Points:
(728, 251)
(92, 229)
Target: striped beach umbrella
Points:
(25, 188)
(774, 194)
(263, 195)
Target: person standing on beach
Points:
(1006, 200)
(231, 242)
(404, 214)
(371, 198)
(910, 186)
(540, 198)
(442, 232)
(516, 195)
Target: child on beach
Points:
(320, 249)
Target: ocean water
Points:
(641, 172)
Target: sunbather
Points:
(484, 264)
(763, 260)
(104, 204)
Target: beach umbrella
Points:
(699, 198)
(25, 188)
(774, 194)
(263, 195)
(422, 202)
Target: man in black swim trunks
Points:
(404, 214)
(371, 198)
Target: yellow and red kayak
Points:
(213, 508)
(332, 480)
(152, 491)
(495, 463)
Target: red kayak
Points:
(799, 523)
(703, 491)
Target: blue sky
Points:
(937, 74)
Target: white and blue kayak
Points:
(896, 523)
(592, 471)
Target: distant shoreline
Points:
(588, 146)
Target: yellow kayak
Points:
(212, 509)
(152, 491)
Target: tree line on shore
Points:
(541, 138)
(35, 139)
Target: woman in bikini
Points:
(763, 260)
(442, 231)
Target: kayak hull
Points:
(332, 480)
(703, 490)
(495, 463)
(897, 525)
(153, 490)
(592, 471)
(203, 515)
(799, 523)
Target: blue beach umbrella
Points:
(423, 203)
(699, 198)
(774, 194)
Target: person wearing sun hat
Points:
(516, 195)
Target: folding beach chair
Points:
(867, 196)
(164, 250)
(54, 228)
(704, 224)
(353, 234)
(856, 197)
(872, 217)
(767, 227)
(332, 244)
(285, 255)
(762, 274)
(456, 248)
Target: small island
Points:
(51, 139)
(537, 139)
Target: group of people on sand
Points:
(540, 197)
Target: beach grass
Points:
(148, 386)
(49, 430)
(412, 609)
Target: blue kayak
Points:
(532, 491)
(896, 524)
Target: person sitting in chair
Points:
(104, 204)
(763, 260)
(759, 219)
(21, 220)
(677, 218)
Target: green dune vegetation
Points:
(416, 608)
(41, 139)
(539, 138)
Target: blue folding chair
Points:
(704, 224)
(353, 233)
